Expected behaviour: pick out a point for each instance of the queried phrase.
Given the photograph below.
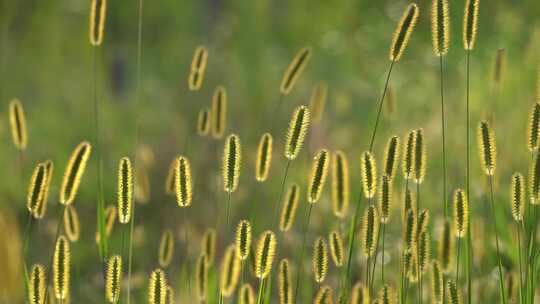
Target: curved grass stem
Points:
(300, 261)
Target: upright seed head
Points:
(385, 199)
(534, 180)
(370, 230)
(17, 122)
(324, 295)
(454, 296)
(420, 156)
(166, 248)
(440, 28)
(157, 287)
(408, 203)
(369, 174)
(296, 134)
(232, 156)
(243, 239)
(318, 100)
(266, 249)
(61, 268)
(230, 271)
(317, 178)
(208, 245)
(517, 196)
(219, 112)
(113, 279)
(183, 183)
(533, 130)
(408, 156)
(201, 277)
(391, 157)
(198, 67)
(288, 210)
(264, 157)
(203, 122)
(446, 247)
(461, 213)
(403, 32)
(98, 13)
(320, 260)
(486, 147)
(359, 294)
(246, 294)
(410, 231)
(37, 284)
(422, 222)
(42, 205)
(340, 184)
(125, 190)
(387, 295)
(424, 251)
(72, 224)
(36, 189)
(336, 248)
(74, 172)
(284, 281)
(437, 283)
(470, 25)
(294, 70)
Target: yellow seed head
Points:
(166, 248)
(219, 112)
(113, 279)
(183, 184)
(201, 277)
(42, 205)
(385, 199)
(325, 295)
(288, 210)
(340, 184)
(74, 172)
(61, 268)
(320, 260)
(440, 27)
(517, 196)
(470, 24)
(336, 248)
(408, 203)
(533, 130)
(391, 157)
(72, 224)
(125, 190)
(403, 32)
(198, 67)
(461, 213)
(36, 285)
(230, 271)
(243, 239)
(318, 100)
(437, 283)
(370, 230)
(422, 221)
(369, 174)
(317, 178)
(208, 245)
(247, 296)
(264, 157)
(454, 296)
(17, 122)
(410, 231)
(284, 281)
(408, 156)
(157, 287)
(360, 294)
(232, 156)
(294, 70)
(98, 13)
(266, 249)
(296, 134)
(534, 180)
(36, 189)
(387, 295)
(446, 247)
(420, 156)
(424, 251)
(203, 122)
(486, 147)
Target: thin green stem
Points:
(382, 253)
(59, 226)
(457, 259)
(261, 288)
(280, 197)
(130, 252)
(300, 261)
(228, 206)
(520, 263)
(467, 182)
(186, 251)
(419, 287)
(381, 102)
(501, 277)
(443, 142)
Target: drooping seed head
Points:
(157, 287)
(201, 277)
(317, 178)
(534, 180)
(470, 24)
(370, 230)
(359, 294)
(230, 271)
(72, 225)
(486, 148)
(183, 183)
(340, 184)
(266, 249)
(232, 156)
(17, 123)
(420, 156)
(198, 67)
(517, 196)
(166, 248)
(37, 285)
(440, 27)
(284, 281)
(403, 32)
(243, 239)
(125, 190)
(74, 172)
(219, 112)
(454, 296)
(203, 122)
(446, 247)
(318, 100)
(336, 248)
(325, 295)
(387, 295)
(208, 245)
(264, 157)
(385, 199)
(391, 157)
(288, 210)
(296, 134)
(113, 279)
(533, 130)
(247, 296)
(408, 156)
(98, 14)
(61, 268)
(424, 251)
(410, 231)
(36, 189)
(437, 283)
(319, 260)
(294, 70)
(368, 168)
(461, 213)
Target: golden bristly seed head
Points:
(166, 248)
(325, 295)
(288, 210)
(296, 134)
(486, 148)
(183, 183)
(318, 100)
(517, 196)
(340, 184)
(368, 168)
(37, 285)
(470, 24)
(232, 157)
(437, 283)
(208, 245)
(219, 112)
(157, 287)
(61, 268)
(533, 130)
(247, 296)
(41, 206)
(385, 199)
(406, 262)
(201, 277)
(370, 230)
(391, 157)
(230, 270)
(440, 28)
(320, 259)
(420, 156)
(410, 231)
(446, 247)
(113, 279)
(125, 190)
(264, 157)
(74, 172)
(317, 178)
(98, 13)
(424, 251)
(198, 67)
(403, 32)
(360, 294)
(336, 248)
(408, 156)
(534, 180)
(454, 296)
(72, 224)
(461, 213)
(170, 181)
(408, 203)
(422, 221)
(203, 122)
(294, 70)
(243, 239)
(284, 281)
(17, 122)
(266, 249)
(36, 189)
(387, 295)
(169, 295)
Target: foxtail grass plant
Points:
(243, 244)
(198, 68)
(517, 200)
(418, 175)
(232, 156)
(461, 221)
(157, 287)
(113, 279)
(264, 258)
(284, 283)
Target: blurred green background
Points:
(47, 62)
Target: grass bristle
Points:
(113, 279)
(125, 190)
(294, 70)
(98, 12)
(232, 157)
(296, 133)
(166, 248)
(264, 157)
(243, 239)
(403, 32)
(266, 249)
(74, 172)
(17, 122)
(288, 210)
(317, 178)
(183, 183)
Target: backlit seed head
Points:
(166, 248)
(198, 67)
(420, 156)
(470, 24)
(61, 268)
(201, 277)
(288, 209)
(17, 122)
(517, 196)
(325, 295)
(391, 157)
(534, 180)
(208, 245)
(247, 296)
(424, 251)
(533, 130)
(183, 183)
(461, 213)
(294, 70)
(36, 189)
(318, 100)
(486, 148)
(340, 184)
(125, 190)
(296, 134)
(408, 203)
(387, 295)
(408, 156)
(369, 174)
(336, 248)
(243, 239)
(454, 296)
(232, 157)
(410, 231)
(113, 279)
(370, 230)
(403, 32)
(422, 222)
(317, 178)
(440, 27)
(219, 112)
(320, 260)
(437, 283)
(72, 224)
(98, 13)
(446, 247)
(385, 199)
(266, 249)
(264, 157)
(360, 294)
(286, 292)
(37, 285)
(170, 181)
(157, 287)
(203, 122)
(74, 172)
(230, 271)
(41, 207)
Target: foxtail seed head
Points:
(284, 281)
(385, 199)
(422, 222)
(166, 248)
(203, 122)
(369, 174)
(336, 248)
(517, 196)
(157, 287)
(288, 210)
(360, 294)
(98, 12)
(340, 184)
(266, 249)
(17, 122)
(264, 157)
(454, 296)
(391, 157)
(61, 268)
(201, 277)
(440, 28)
(113, 279)
(370, 230)
(533, 130)
(318, 100)
(36, 189)
(403, 32)
(461, 213)
(470, 25)
(219, 112)
(408, 156)
(74, 172)
(243, 239)
(424, 251)
(183, 184)
(534, 180)
(230, 271)
(208, 245)
(296, 134)
(72, 224)
(446, 247)
(198, 67)
(247, 296)
(387, 295)
(325, 295)
(437, 283)
(486, 147)
(320, 260)
(408, 203)
(125, 190)
(317, 178)
(420, 156)
(294, 70)
(37, 285)
(232, 156)
(410, 231)
(42, 205)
